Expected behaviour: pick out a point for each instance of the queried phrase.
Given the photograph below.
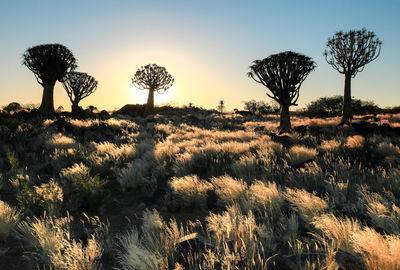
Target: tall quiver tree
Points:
(49, 63)
(153, 78)
(78, 85)
(348, 53)
(283, 74)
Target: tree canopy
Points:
(282, 74)
(349, 52)
(49, 62)
(152, 77)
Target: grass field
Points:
(199, 190)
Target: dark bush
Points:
(332, 106)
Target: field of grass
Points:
(199, 190)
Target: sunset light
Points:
(199, 135)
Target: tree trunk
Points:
(285, 118)
(347, 112)
(150, 103)
(47, 105)
(75, 107)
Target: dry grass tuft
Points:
(191, 189)
(355, 141)
(299, 154)
(308, 205)
(9, 218)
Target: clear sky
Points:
(207, 45)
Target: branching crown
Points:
(152, 77)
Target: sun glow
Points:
(140, 96)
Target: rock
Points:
(285, 140)
(62, 125)
(259, 129)
(348, 261)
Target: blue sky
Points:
(206, 45)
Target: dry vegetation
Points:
(198, 190)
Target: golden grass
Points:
(9, 218)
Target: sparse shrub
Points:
(191, 189)
(9, 218)
(90, 190)
(38, 199)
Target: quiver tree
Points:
(348, 53)
(153, 78)
(282, 74)
(49, 63)
(78, 85)
(221, 106)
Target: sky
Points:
(206, 45)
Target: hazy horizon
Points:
(207, 46)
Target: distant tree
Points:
(348, 53)
(78, 86)
(221, 106)
(12, 107)
(49, 63)
(60, 109)
(251, 106)
(283, 74)
(190, 105)
(260, 107)
(153, 78)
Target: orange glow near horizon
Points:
(140, 96)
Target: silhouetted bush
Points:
(260, 107)
(12, 107)
(333, 106)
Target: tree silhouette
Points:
(283, 74)
(79, 85)
(348, 53)
(221, 106)
(153, 78)
(49, 63)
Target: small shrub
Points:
(9, 218)
(91, 191)
(44, 198)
